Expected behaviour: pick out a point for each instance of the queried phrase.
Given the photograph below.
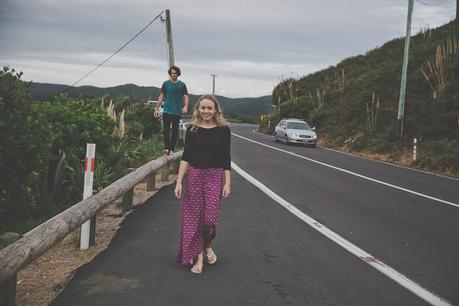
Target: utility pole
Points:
(457, 15)
(170, 54)
(213, 84)
(401, 101)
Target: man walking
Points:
(173, 92)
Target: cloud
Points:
(249, 44)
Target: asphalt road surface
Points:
(407, 220)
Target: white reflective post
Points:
(414, 149)
(89, 164)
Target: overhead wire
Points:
(121, 48)
(148, 46)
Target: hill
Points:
(233, 107)
(355, 103)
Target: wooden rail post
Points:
(181, 138)
(8, 288)
(176, 166)
(165, 172)
(151, 181)
(128, 196)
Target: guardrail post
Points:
(151, 181)
(128, 196)
(176, 166)
(165, 172)
(181, 138)
(8, 288)
(88, 229)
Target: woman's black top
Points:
(208, 148)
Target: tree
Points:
(23, 153)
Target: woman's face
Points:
(207, 109)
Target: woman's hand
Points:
(178, 190)
(226, 190)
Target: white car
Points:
(295, 131)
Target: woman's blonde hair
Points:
(218, 118)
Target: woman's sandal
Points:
(196, 269)
(212, 258)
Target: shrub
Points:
(24, 151)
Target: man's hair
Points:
(177, 69)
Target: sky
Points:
(251, 45)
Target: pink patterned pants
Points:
(202, 191)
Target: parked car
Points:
(295, 131)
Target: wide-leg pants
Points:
(201, 195)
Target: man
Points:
(173, 92)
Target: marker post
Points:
(88, 229)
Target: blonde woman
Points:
(206, 163)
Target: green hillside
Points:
(355, 103)
(249, 107)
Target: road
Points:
(406, 219)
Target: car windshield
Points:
(298, 126)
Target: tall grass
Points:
(439, 70)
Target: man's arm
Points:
(160, 101)
(186, 100)
(158, 104)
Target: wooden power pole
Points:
(457, 20)
(213, 84)
(170, 57)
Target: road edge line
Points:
(352, 173)
(399, 278)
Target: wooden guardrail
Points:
(20, 253)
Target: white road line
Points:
(378, 161)
(353, 173)
(391, 164)
(401, 279)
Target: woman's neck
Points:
(207, 123)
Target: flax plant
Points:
(438, 74)
(122, 125)
(111, 110)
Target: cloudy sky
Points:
(249, 44)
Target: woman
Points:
(206, 161)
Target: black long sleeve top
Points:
(208, 148)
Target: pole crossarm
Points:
(19, 254)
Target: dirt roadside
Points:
(406, 159)
(42, 280)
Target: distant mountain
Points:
(251, 107)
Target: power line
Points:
(147, 47)
(121, 48)
(154, 42)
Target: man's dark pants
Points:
(169, 142)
